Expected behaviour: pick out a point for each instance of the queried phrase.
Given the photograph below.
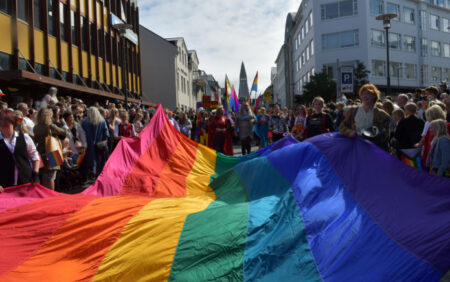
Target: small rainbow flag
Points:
(78, 158)
(54, 158)
(19, 123)
(411, 157)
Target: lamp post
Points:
(386, 18)
(122, 29)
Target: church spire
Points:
(243, 85)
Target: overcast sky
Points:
(224, 33)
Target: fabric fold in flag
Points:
(166, 208)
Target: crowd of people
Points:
(87, 135)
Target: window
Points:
(340, 40)
(312, 47)
(394, 9)
(84, 33)
(447, 73)
(296, 43)
(446, 50)
(394, 41)
(440, 3)
(435, 48)
(424, 47)
(411, 71)
(339, 9)
(297, 67)
(5, 7)
(436, 74)
(313, 71)
(108, 49)
(423, 20)
(434, 22)
(37, 14)
(178, 81)
(424, 74)
(408, 15)
(303, 32)
(62, 20)
(303, 58)
(378, 68)
(93, 37)
(22, 10)
(51, 24)
(73, 28)
(410, 43)
(377, 38)
(307, 53)
(395, 69)
(446, 24)
(310, 16)
(376, 7)
(100, 43)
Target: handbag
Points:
(53, 151)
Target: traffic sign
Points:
(346, 79)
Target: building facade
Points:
(183, 75)
(73, 45)
(279, 81)
(158, 69)
(331, 33)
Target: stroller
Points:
(68, 179)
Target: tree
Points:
(320, 84)
(361, 76)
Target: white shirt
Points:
(363, 119)
(29, 124)
(33, 154)
(81, 136)
(425, 128)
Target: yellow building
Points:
(74, 45)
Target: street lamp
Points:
(122, 29)
(386, 18)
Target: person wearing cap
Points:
(20, 159)
(363, 119)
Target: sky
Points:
(224, 33)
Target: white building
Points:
(324, 31)
(184, 92)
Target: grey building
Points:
(158, 69)
(322, 32)
(279, 81)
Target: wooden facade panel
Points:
(23, 37)
(93, 68)
(114, 80)
(39, 52)
(75, 60)
(120, 78)
(65, 65)
(52, 51)
(91, 10)
(100, 71)
(108, 74)
(6, 42)
(84, 59)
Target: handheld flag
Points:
(255, 84)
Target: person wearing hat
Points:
(20, 159)
(443, 89)
(367, 120)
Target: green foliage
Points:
(319, 85)
(361, 75)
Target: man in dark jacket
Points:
(409, 129)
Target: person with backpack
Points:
(319, 122)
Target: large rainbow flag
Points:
(167, 208)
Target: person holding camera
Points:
(367, 120)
